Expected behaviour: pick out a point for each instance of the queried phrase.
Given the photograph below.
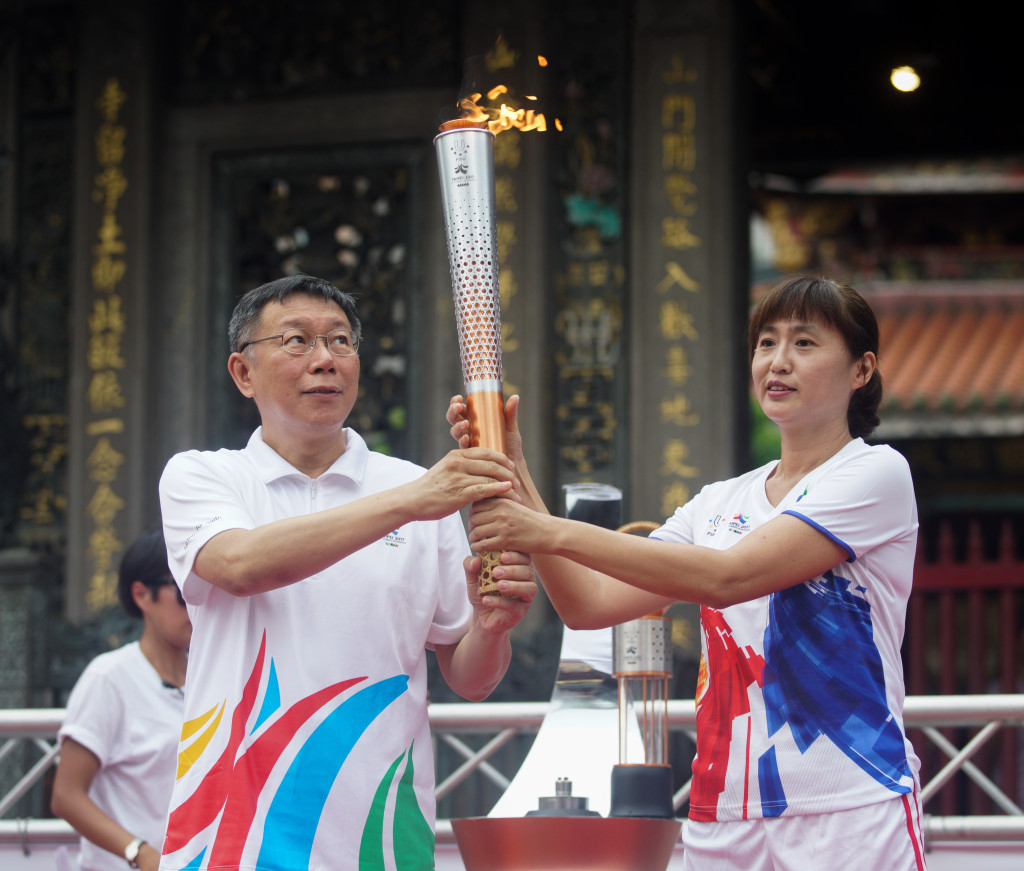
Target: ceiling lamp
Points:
(905, 79)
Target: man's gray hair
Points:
(247, 311)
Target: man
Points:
(316, 572)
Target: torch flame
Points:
(504, 117)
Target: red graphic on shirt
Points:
(253, 769)
(722, 697)
(235, 786)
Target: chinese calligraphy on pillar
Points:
(507, 156)
(105, 363)
(589, 329)
(590, 387)
(506, 123)
(676, 289)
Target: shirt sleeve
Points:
(679, 527)
(863, 503)
(453, 613)
(196, 504)
(94, 713)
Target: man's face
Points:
(299, 396)
(167, 615)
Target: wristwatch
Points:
(131, 852)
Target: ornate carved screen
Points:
(341, 214)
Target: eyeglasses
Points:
(163, 582)
(341, 343)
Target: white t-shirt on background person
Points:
(121, 711)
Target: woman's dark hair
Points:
(247, 311)
(146, 561)
(824, 301)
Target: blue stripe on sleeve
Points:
(850, 555)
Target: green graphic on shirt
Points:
(371, 846)
(413, 838)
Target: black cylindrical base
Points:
(642, 791)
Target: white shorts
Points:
(883, 835)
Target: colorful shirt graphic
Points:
(800, 696)
(306, 742)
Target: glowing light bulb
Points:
(905, 79)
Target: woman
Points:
(803, 568)
(119, 740)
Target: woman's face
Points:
(803, 374)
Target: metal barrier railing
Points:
(505, 720)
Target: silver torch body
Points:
(465, 157)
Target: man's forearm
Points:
(476, 665)
(245, 562)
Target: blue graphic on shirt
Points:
(773, 796)
(294, 814)
(271, 699)
(195, 863)
(823, 676)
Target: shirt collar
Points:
(271, 465)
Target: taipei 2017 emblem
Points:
(460, 148)
(393, 539)
(739, 524)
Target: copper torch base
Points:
(539, 843)
(485, 411)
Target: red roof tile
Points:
(955, 348)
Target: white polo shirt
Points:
(306, 740)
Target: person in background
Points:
(803, 569)
(318, 574)
(119, 739)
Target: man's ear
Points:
(240, 367)
(141, 594)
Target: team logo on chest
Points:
(737, 524)
(393, 539)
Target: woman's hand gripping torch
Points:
(465, 156)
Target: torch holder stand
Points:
(642, 791)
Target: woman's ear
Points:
(865, 368)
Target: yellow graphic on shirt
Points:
(190, 754)
(702, 678)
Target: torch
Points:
(642, 662)
(465, 155)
